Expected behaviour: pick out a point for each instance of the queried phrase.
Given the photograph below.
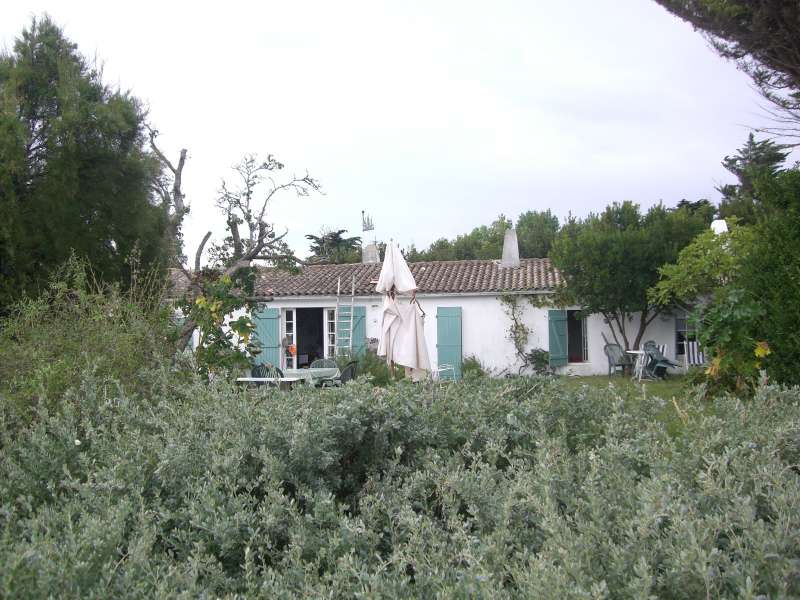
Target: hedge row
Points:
(486, 488)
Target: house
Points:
(328, 309)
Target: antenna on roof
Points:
(366, 222)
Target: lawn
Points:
(676, 385)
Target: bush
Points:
(46, 343)
(374, 367)
(472, 367)
(481, 488)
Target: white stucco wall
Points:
(485, 327)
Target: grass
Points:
(675, 385)
(675, 390)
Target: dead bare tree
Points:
(243, 206)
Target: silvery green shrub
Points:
(488, 488)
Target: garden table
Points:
(281, 382)
(313, 376)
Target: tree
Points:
(536, 232)
(762, 37)
(332, 247)
(74, 171)
(754, 159)
(745, 288)
(609, 261)
(228, 285)
(482, 243)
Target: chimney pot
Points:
(510, 249)
(370, 254)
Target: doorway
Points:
(310, 336)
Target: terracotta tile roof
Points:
(458, 276)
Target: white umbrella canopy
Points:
(402, 339)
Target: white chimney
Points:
(719, 226)
(370, 254)
(510, 249)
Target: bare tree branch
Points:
(198, 255)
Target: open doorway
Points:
(310, 336)
(577, 349)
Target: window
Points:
(577, 349)
(684, 332)
(290, 340)
(330, 333)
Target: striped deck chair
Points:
(694, 355)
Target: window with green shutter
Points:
(268, 334)
(358, 332)
(448, 340)
(557, 329)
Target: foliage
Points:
(760, 36)
(771, 273)
(483, 488)
(471, 367)
(229, 286)
(704, 266)
(74, 172)
(225, 343)
(609, 261)
(756, 159)
(535, 234)
(747, 283)
(373, 366)
(536, 231)
(481, 243)
(78, 325)
(518, 332)
(331, 247)
(539, 361)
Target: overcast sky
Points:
(434, 117)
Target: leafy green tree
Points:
(702, 208)
(536, 232)
(332, 247)
(74, 171)
(762, 37)
(609, 261)
(754, 159)
(745, 288)
(482, 243)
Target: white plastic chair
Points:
(441, 369)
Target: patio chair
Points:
(694, 354)
(349, 372)
(266, 370)
(323, 363)
(656, 364)
(617, 359)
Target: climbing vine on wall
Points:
(519, 333)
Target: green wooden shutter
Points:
(448, 339)
(359, 332)
(557, 321)
(268, 333)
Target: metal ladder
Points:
(347, 314)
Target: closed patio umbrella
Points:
(402, 339)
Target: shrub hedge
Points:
(485, 488)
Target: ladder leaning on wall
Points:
(345, 333)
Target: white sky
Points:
(433, 117)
